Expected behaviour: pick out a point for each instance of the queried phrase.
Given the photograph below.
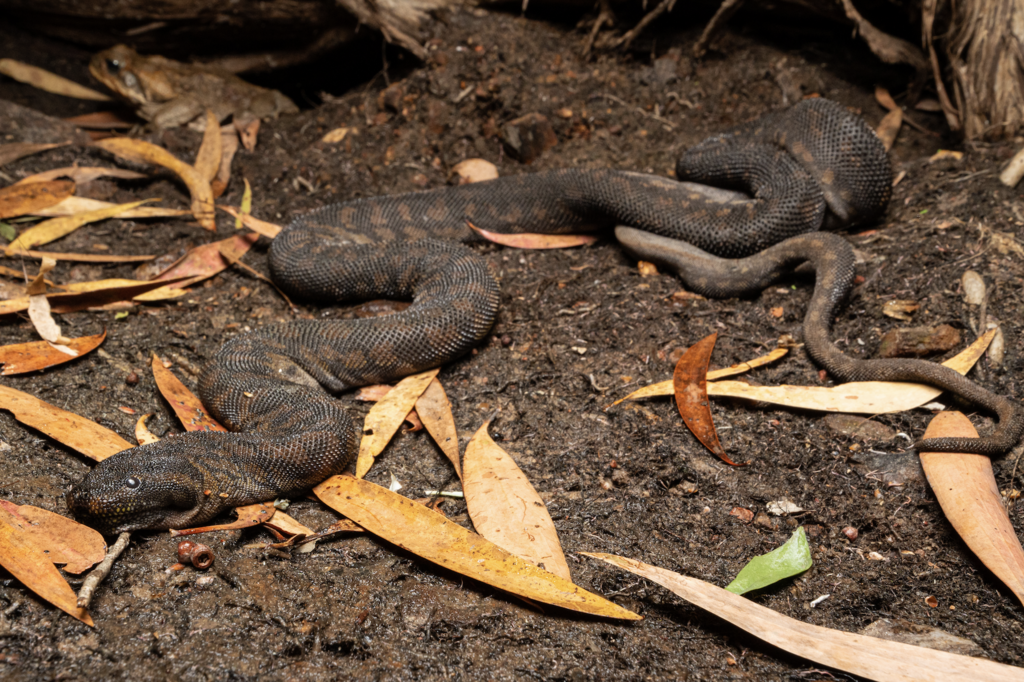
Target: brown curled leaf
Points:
(29, 357)
(19, 150)
(435, 411)
(690, 384)
(889, 127)
(387, 415)
(248, 516)
(142, 432)
(189, 408)
(966, 489)
(208, 156)
(269, 230)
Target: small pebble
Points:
(132, 379)
(973, 287)
(851, 533)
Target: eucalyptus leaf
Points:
(790, 559)
(8, 232)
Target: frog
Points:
(168, 93)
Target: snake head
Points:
(152, 486)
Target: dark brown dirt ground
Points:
(356, 607)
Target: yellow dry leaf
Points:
(81, 174)
(245, 207)
(889, 128)
(74, 205)
(269, 230)
(665, 387)
(55, 228)
(506, 508)
(430, 535)
(869, 657)
(50, 82)
(387, 415)
(142, 432)
(209, 154)
(969, 496)
(74, 431)
(198, 185)
(435, 412)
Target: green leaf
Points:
(8, 232)
(121, 315)
(784, 562)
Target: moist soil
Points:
(577, 330)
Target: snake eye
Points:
(132, 482)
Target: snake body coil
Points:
(814, 166)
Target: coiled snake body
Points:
(814, 166)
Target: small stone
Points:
(896, 630)
(918, 341)
(529, 136)
(646, 269)
(132, 379)
(763, 520)
(684, 488)
(997, 349)
(858, 428)
(900, 309)
(973, 287)
(474, 170)
(744, 515)
(391, 97)
(851, 533)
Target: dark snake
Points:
(783, 178)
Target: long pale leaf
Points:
(387, 415)
(870, 657)
(506, 508)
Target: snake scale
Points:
(757, 197)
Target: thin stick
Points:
(101, 571)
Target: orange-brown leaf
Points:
(889, 127)
(74, 431)
(506, 508)
(64, 541)
(967, 492)
(55, 228)
(142, 432)
(198, 186)
(17, 150)
(527, 240)
(430, 535)
(435, 411)
(29, 357)
(248, 516)
(690, 384)
(189, 408)
(82, 174)
(206, 260)
(34, 570)
(34, 196)
(387, 415)
(82, 295)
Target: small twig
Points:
(9, 611)
(605, 16)
(725, 11)
(97, 575)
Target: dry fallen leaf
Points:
(75, 205)
(33, 568)
(228, 146)
(50, 82)
(384, 418)
(889, 127)
(209, 154)
(248, 130)
(689, 384)
(870, 657)
(335, 136)
(55, 228)
(505, 507)
(269, 230)
(68, 428)
(967, 492)
(198, 186)
(431, 535)
(81, 174)
(435, 411)
(945, 155)
(858, 397)
(142, 432)
(64, 541)
(101, 120)
(82, 295)
(190, 410)
(28, 198)
(84, 257)
(29, 357)
(248, 516)
(206, 260)
(883, 97)
(525, 240)
(245, 205)
(19, 150)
